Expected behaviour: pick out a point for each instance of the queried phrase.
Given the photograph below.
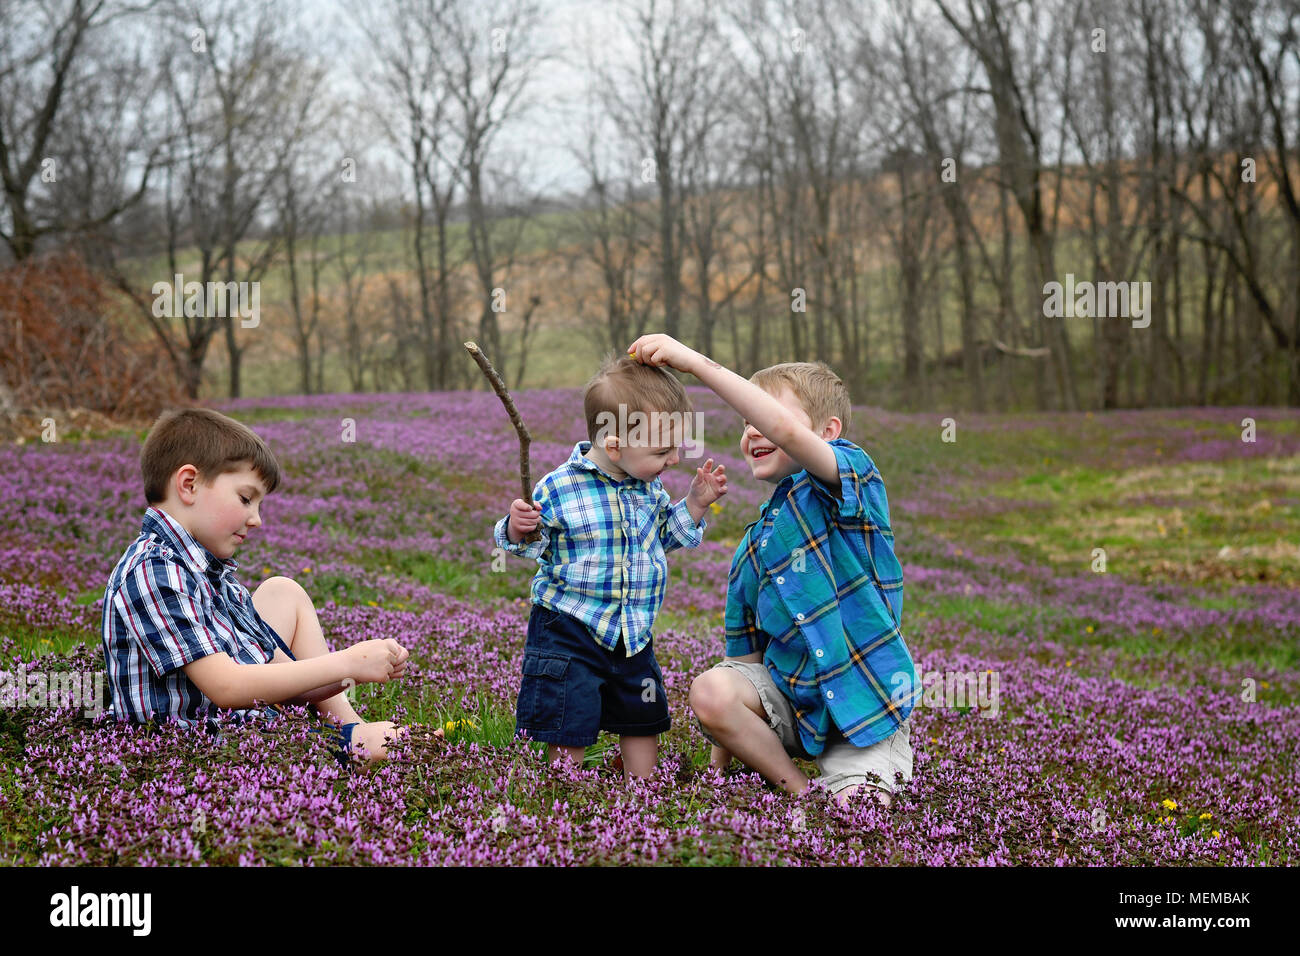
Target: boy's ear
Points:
(612, 449)
(831, 430)
(185, 481)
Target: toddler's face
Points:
(226, 510)
(647, 462)
(766, 461)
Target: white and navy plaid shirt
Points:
(601, 554)
(169, 602)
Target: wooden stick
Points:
(525, 439)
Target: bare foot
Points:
(883, 797)
(370, 740)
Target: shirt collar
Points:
(576, 460)
(199, 558)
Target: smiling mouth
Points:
(757, 453)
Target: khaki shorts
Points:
(842, 765)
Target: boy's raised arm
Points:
(756, 406)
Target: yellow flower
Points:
(1215, 834)
(1264, 684)
(1155, 630)
(1089, 629)
(1205, 816)
(306, 570)
(266, 570)
(715, 508)
(933, 741)
(1069, 663)
(1169, 804)
(372, 604)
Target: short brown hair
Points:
(640, 388)
(820, 391)
(208, 440)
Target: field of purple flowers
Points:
(1132, 580)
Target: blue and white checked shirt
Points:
(169, 602)
(601, 555)
(816, 587)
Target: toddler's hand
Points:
(524, 519)
(709, 483)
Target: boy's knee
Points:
(281, 589)
(712, 697)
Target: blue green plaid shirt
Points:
(601, 555)
(816, 587)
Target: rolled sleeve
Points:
(856, 474)
(169, 622)
(679, 530)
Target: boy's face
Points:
(766, 461)
(225, 510)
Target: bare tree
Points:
(1003, 33)
(76, 147)
(653, 102)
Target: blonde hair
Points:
(639, 388)
(820, 391)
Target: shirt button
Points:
(830, 695)
(780, 580)
(821, 653)
(763, 545)
(799, 617)
(776, 511)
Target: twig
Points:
(525, 439)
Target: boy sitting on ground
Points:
(183, 639)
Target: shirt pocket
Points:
(645, 527)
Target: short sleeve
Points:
(529, 549)
(857, 471)
(165, 614)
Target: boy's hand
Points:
(525, 516)
(378, 661)
(660, 349)
(708, 485)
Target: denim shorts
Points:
(573, 688)
(841, 763)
